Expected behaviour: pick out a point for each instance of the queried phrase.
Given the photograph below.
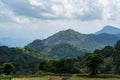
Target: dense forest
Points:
(28, 61)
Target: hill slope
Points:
(39, 45)
(22, 58)
(109, 29)
(85, 42)
(74, 38)
(118, 35)
(64, 50)
(104, 39)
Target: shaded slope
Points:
(64, 50)
(104, 38)
(39, 45)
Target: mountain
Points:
(118, 35)
(73, 38)
(104, 38)
(109, 29)
(65, 50)
(85, 42)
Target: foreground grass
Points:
(74, 77)
(34, 78)
(61, 78)
(77, 78)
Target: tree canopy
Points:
(93, 61)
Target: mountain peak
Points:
(109, 30)
(109, 27)
(69, 31)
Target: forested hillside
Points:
(21, 58)
(85, 42)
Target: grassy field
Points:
(64, 78)
(35, 78)
(78, 78)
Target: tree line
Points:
(104, 61)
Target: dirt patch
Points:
(55, 78)
(62, 75)
(65, 78)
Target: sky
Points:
(32, 19)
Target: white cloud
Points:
(9, 14)
(37, 3)
(20, 19)
(62, 9)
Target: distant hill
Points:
(109, 29)
(118, 35)
(64, 50)
(104, 38)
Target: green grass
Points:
(60, 77)
(78, 78)
(34, 78)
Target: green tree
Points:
(116, 58)
(8, 68)
(92, 61)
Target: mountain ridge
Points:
(109, 29)
(86, 42)
(71, 37)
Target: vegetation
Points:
(8, 68)
(65, 50)
(29, 62)
(116, 58)
(93, 61)
(39, 45)
(21, 58)
(59, 66)
(89, 42)
(64, 78)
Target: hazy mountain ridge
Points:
(15, 42)
(118, 35)
(73, 40)
(109, 30)
(104, 38)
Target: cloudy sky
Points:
(42, 18)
